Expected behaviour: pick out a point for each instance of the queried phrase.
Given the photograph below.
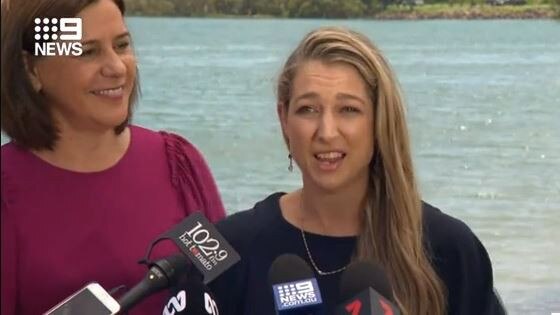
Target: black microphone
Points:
(202, 246)
(294, 287)
(190, 296)
(366, 290)
(161, 275)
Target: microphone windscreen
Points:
(173, 267)
(294, 287)
(362, 275)
(288, 268)
(190, 296)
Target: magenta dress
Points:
(63, 229)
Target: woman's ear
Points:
(282, 111)
(32, 72)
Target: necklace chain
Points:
(319, 271)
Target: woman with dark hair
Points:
(83, 191)
(343, 121)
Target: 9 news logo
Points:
(296, 294)
(58, 37)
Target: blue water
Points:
(484, 110)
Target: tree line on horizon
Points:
(281, 8)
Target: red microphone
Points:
(365, 290)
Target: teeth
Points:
(329, 155)
(110, 92)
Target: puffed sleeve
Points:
(465, 268)
(192, 178)
(9, 273)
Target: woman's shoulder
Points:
(144, 135)
(444, 232)
(177, 142)
(179, 151)
(147, 136)
(453, 246)
(188, 170)
(462, 262)
(183, 158)
(18, 164)
(7, 148)
(11, 153)
(243, 227)
(11, 161)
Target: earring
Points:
(291, 165)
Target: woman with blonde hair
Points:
(343, 121)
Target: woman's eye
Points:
(88, 52)
(305, 109)
(123, 45)
(350, 109)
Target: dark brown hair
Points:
(26, 117)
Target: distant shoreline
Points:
(423, 12)
(467, 12)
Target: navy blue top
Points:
(261, 234)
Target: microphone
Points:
(191, 296)
(201, 246)
(365, 290)
(294, 287)
(161, 275)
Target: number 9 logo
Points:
(73, 26)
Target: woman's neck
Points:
(86, 150)
(335, 214)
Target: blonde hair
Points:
(392, 230)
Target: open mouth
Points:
(329, 160)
